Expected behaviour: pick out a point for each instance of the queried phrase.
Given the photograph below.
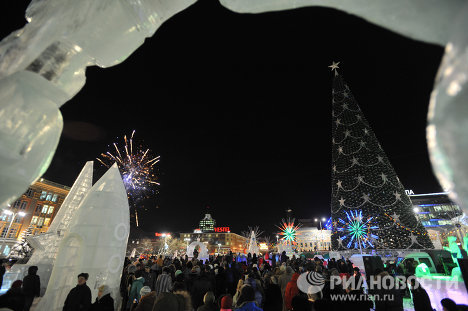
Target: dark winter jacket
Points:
(137, 284)
(106, 303)
(32, 283)
(13, 299)
(200, 286)
(208, 307)
(78, 299)
(421, 300)
(146, 303)
(150, 279)
(273, 298)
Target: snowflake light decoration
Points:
(289, 231)
(357, 230)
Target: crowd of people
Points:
(229, 282)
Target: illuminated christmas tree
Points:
(363, 179)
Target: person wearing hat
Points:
(104, 301)
(14, 297)
(79, 297)
(226, 303)
(147, 299)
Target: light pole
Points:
(13, 217)
(219, 247)
(321, 229)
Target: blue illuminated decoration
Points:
(357, 230)
(328, 224)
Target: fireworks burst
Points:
(289, 231)
(357, 229)
(136, 166)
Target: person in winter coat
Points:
(200, 286)
(164, 282)
(421, 300)
(31, 287)
(79, 297)
(149, 277)
(246, 300)
(291, 291)
(208, 303)
(283, 281)
(257, 287)
(273, 299)
(137, 285)
(104, 301)
(14, 298)
(146, 302)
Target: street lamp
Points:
(13, 217)
(321, 229)
(219, 247)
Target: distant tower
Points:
(207, 224)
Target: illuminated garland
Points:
(403, 227)
(289, 231)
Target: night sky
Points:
(238, 106)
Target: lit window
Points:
(46, 221)
(34, 220)
(44, 209)
(49, 196)
(43, 195)
(51, 210)
(54, 198)
(40, 222)
(12, 233)
(4, 232)
(6, 250)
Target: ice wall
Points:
(95, 243)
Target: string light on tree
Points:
(364, 180)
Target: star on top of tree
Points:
(334, 66)
(341, 201)
(397, 196)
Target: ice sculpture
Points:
(46, 245)
(202, 254)
(43, 65)
(95, 243)
(253, 246)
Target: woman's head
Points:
(103, 290)
(247, 293)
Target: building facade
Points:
(439, 215)
(310, 239)
(40, 203)
(221, 242)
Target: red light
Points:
(222, 229)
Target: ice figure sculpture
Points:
(43, 65)
(253, 246)
(95, 243)
(203, 253)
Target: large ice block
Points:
(95, 243)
